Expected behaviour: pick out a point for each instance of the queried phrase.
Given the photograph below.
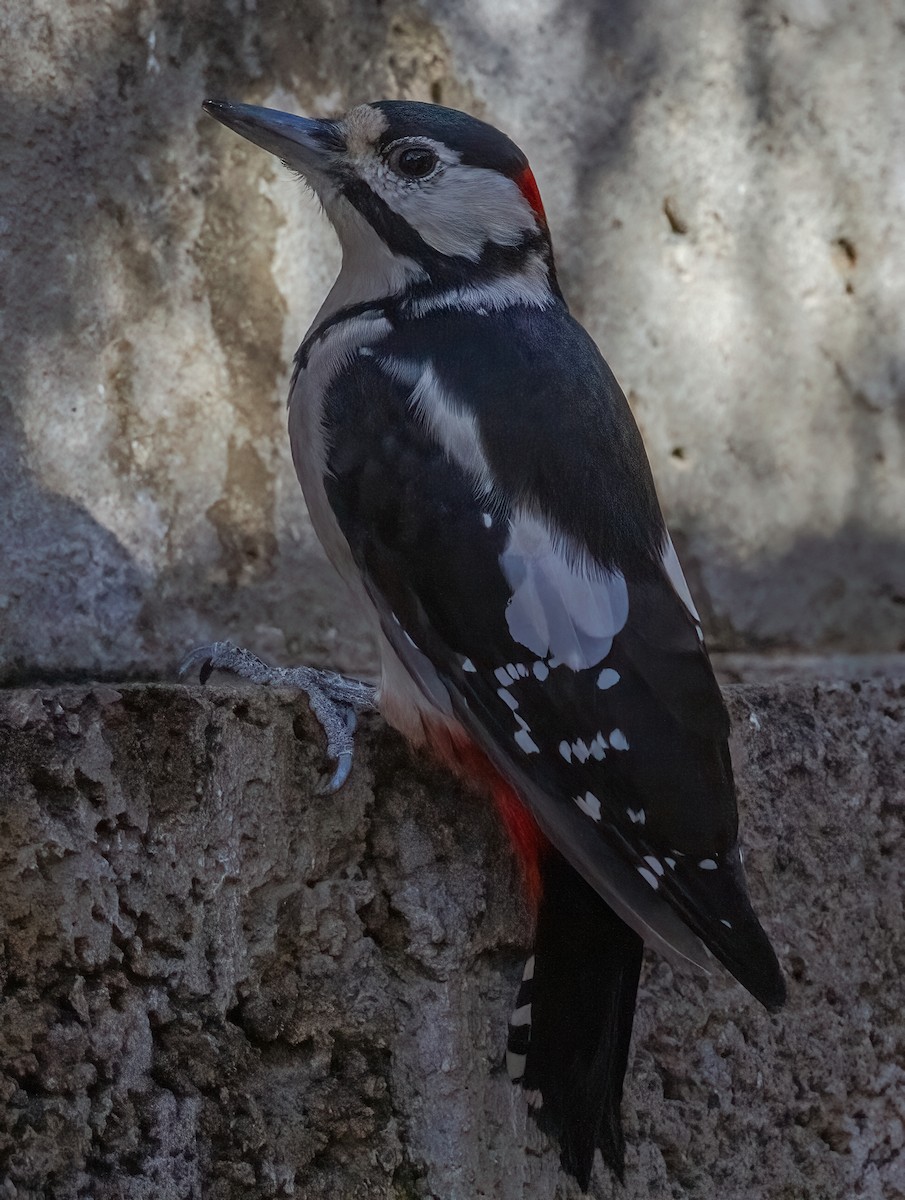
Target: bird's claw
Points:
(224, 656)
(338, 718)
(334, 700)
(200, 659)
(340, 748)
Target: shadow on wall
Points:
(101, 130)
(59, 591)
(105, 127)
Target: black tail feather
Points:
(580, 988)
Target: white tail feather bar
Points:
(520, 1025)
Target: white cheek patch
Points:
(464, 208)
(457, 210)
(561, 608)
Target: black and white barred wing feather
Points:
(556, 618)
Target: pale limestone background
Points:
(726, 187)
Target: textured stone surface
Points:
(215, 982)
(726, 186)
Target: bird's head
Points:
(448, 198)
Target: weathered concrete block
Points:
(215, 982)
(727, 200)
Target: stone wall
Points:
(216, 983)
(726, 190)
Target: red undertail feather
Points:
(459, 753)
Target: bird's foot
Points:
(335, 701)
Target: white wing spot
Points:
(637, 817)
(654, 863)
(526, 741)
(580, 750)
(513, 671)
(541, 670)
(528, 972)
(649, 877)
(723, 921)
(502, 676)
(618, 740)
(598, 747)
(566, 751)
(707, 864)
(487, 519)
(522, 670)
(589, 805)
(507, 698)
(607, 678)
(671, 863)
(467, 665)
(534, 1098)
(700, 632)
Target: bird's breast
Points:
(412, 698)
(321, 359)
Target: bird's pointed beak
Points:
(305, 145)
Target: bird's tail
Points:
(570, 1032)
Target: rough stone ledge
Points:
(218, 983)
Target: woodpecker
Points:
(474, 473)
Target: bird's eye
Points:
(412, 162)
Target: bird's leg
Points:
(335, 701)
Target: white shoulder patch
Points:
(562, 607)
(451, 425)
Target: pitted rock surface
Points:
(216, 982)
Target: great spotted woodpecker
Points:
(474, 472)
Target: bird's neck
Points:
(372, 272)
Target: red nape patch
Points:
(459, 753)
(528, 187)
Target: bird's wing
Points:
(553, 609)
